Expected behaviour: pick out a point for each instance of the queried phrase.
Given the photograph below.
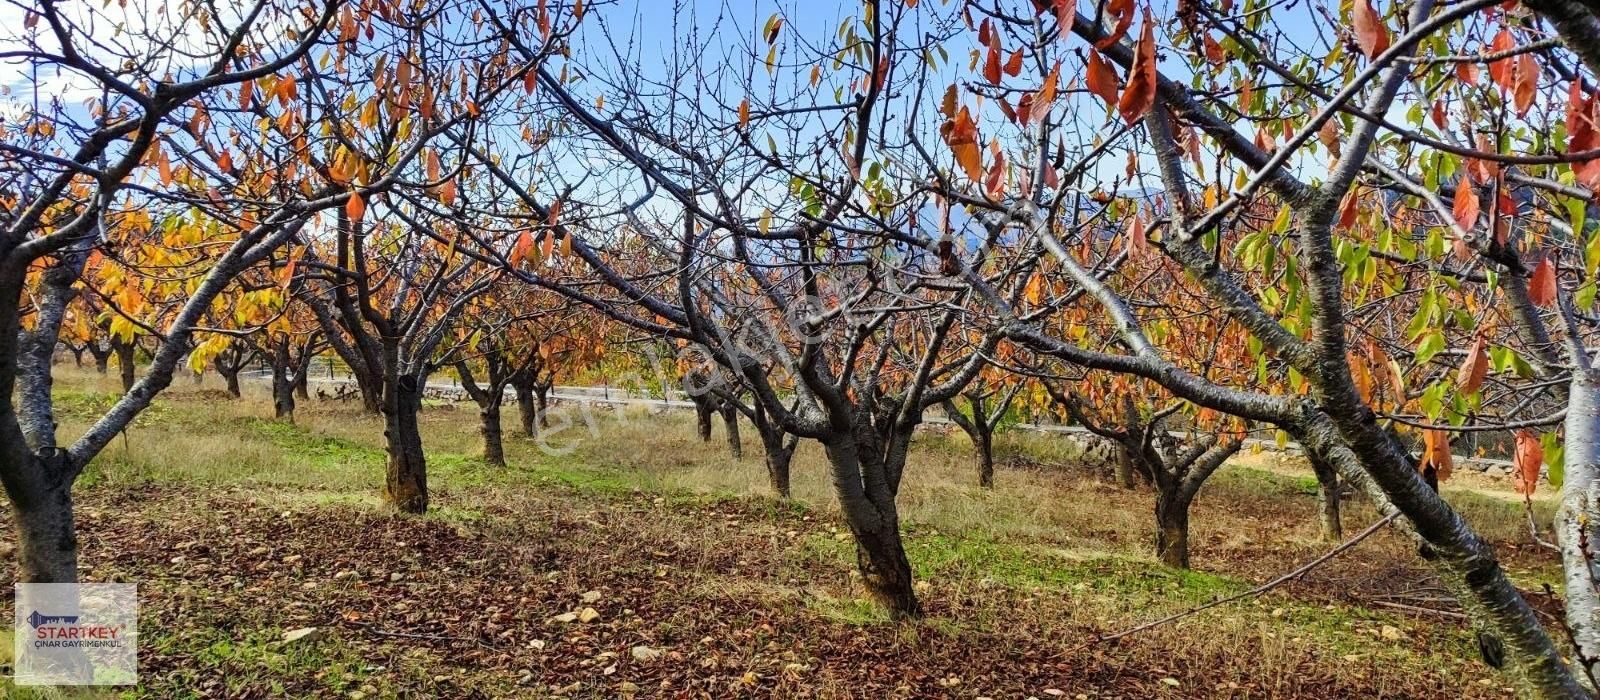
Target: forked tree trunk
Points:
(102, 361)
(493, 447)
(868, 503)
(302, 381)
(406, 485)
(527, 412)
(1172, 530)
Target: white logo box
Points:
(76, 634)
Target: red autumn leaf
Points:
(1066, 14)
(1140, 93)
(1214, 53)
(1371, 34)
(991, 65)
(1122, 11)
(1349, 210)
(1102, 78)
(1527, 83)
(1013, 65)
(1542, 285)
(1475, 367)
(1467, 206)
(523, 247)
(1500, 70)
(1529, 460)
(1138, 238)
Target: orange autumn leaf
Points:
(356, 207)
(1529, 460)
(1371, 34)
(1475, 367)
(1436, 453)
(1140, 93)
(520, 251)
(1039, 108)
(991, 65)
(1467, 206)
(963, 140)
(1102, 79)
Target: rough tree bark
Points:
(406, 484)
(1332, 529)
(282, 383)
(777, 448)
(527, 410)
(124, 352)
(730, 421)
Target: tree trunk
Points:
(702, 417)
(77, 357)
(302, 381)
(730, 420)
(372, 391)
(282, 384)
(406, 486)
(778, 461)
(1172, 530)
(866, 496)
(542, 394)
(102, 362)
(231, 377)
(527, 413)
(493, 448)
(1124, 469)
(984, 448)
(125, 364)
(778, 450)
(881, 558)
(1327, 498)
(47, 541)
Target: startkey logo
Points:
(76, 634)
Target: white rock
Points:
(304, 634)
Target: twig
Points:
(1533, 526)
(1254, 592)
(1421, 610)
(1584, 661)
